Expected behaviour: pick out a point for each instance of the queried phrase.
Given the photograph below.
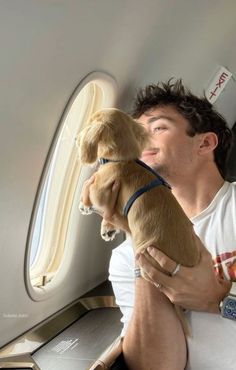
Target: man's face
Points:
(172, 152)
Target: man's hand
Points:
(196, 288)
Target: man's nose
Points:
(152, 140)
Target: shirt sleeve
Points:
(121, 275)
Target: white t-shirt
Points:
(212, 345)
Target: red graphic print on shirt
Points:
(225, 265)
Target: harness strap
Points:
(156, 182)
(141, 163)
(103, 160)
(149, 186)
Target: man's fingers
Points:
(164, 261)
(154, 274)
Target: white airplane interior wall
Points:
(48, 49)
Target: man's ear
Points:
(208, 142)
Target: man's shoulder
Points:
(231, 190)
(233, 185)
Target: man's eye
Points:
(158, 128)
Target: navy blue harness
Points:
(156, 182)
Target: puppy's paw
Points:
(108, 234)
(86, 210)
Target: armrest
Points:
(108, 357)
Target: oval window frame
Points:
(110, 86)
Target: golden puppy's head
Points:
(112, 134)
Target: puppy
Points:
(144, 204)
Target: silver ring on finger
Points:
(173, 273)
(157, 285)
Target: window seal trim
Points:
(44, 292)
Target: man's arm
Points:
(153, 335)
(154, 339)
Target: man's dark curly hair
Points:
(201, 115)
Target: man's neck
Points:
(195, 194)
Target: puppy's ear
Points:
(87, 142)
(141, 134)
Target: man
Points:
(190, 144)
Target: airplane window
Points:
(47, 237)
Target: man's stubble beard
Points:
(163, 171)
